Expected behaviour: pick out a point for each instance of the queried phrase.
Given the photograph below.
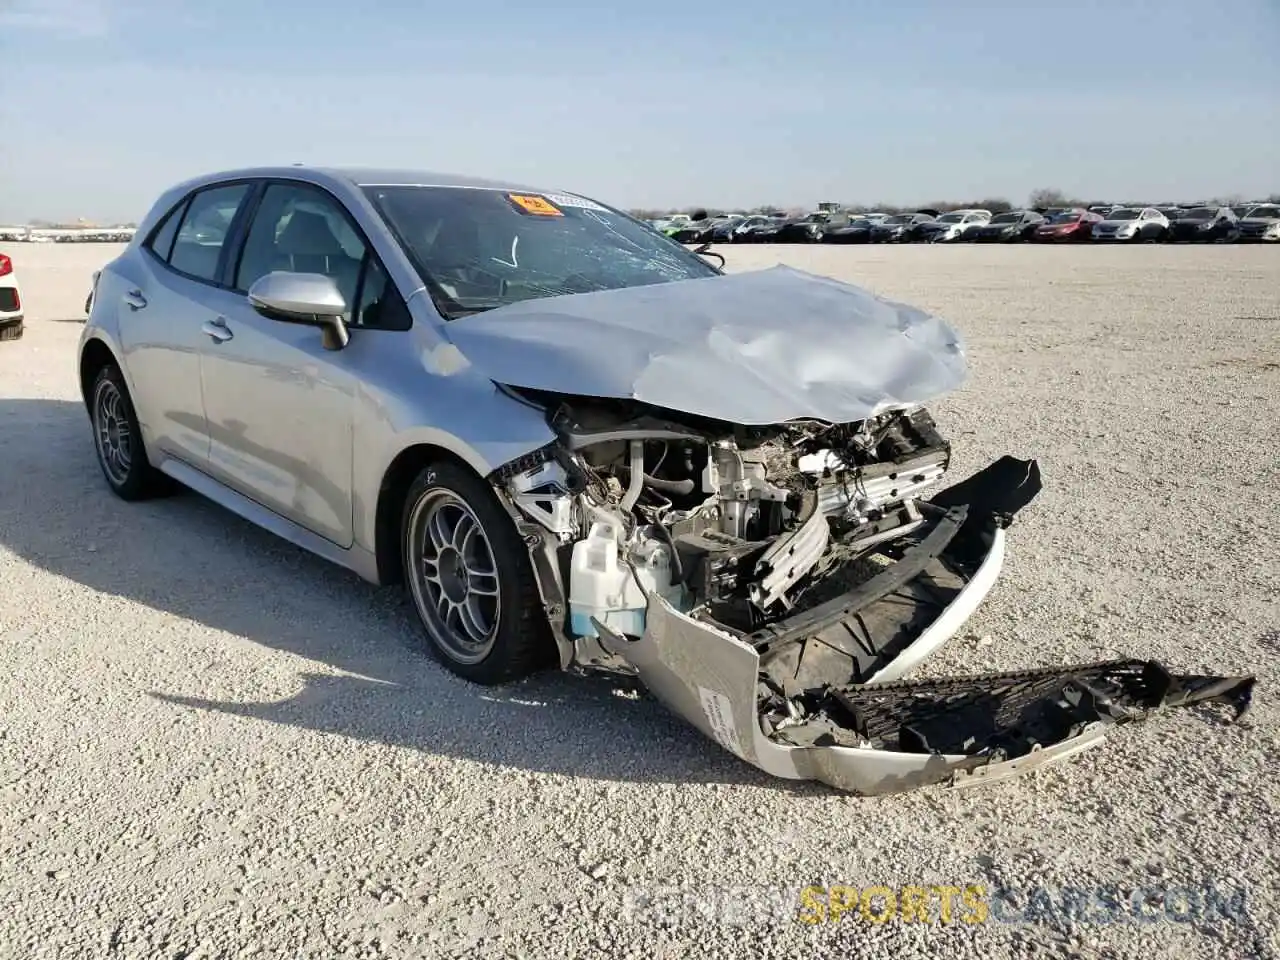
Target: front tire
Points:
(470, 578)
(117, 440)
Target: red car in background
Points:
(1074, 224)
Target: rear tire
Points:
(117, 440)
(470, 578)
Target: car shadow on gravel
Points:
(191, 559)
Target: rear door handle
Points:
(135, 299)
(218, 330)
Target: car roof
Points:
(368, 176)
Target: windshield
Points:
(951, 218)
(1199, 213)
(899, 218)
(478, 249)
(1006, 218)
(1268, 211)
(1124, 215)
(1067, 216)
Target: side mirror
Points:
(311, 299)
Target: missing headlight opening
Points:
(767, 582)
(744, 524)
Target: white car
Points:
(1132, 223)
(1261, 223)
(953, 225)
(10, 300)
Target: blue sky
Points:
(655, 103)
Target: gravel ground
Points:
(213, 744)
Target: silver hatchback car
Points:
(578, 442)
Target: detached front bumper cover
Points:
(817, 696)
(991, 727)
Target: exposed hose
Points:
(675, 554)
(632, 496)
(678, 487)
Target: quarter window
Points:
(162, 240)
(197, 249)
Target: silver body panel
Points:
(710, 678)
(762, 347)
(271, 420)
(306, 435)
(291, 436)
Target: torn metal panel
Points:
(762, 347)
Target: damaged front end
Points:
(771, 584)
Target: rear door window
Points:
(197, 248)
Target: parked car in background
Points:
(806, 229)
(1204, 224)
(751, 229)
(952, 226)
(1013, 226)
(722, 228)
(854, 230)
(1067, 225)
(1132, 224)
(896, 228)
(10, 301)
(913, 232)
(769, 231)
(695, 229)
(1261, 223)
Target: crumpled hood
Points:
(761, 347)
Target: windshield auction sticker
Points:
(538, 206)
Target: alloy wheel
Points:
(454, 576)
(112, 432)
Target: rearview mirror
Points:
(307, 298)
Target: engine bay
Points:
(741, 525)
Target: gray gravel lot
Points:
(212, 743)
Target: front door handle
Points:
(218, 330)
(135, 299)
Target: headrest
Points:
(308, 234)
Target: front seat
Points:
(307, 244)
